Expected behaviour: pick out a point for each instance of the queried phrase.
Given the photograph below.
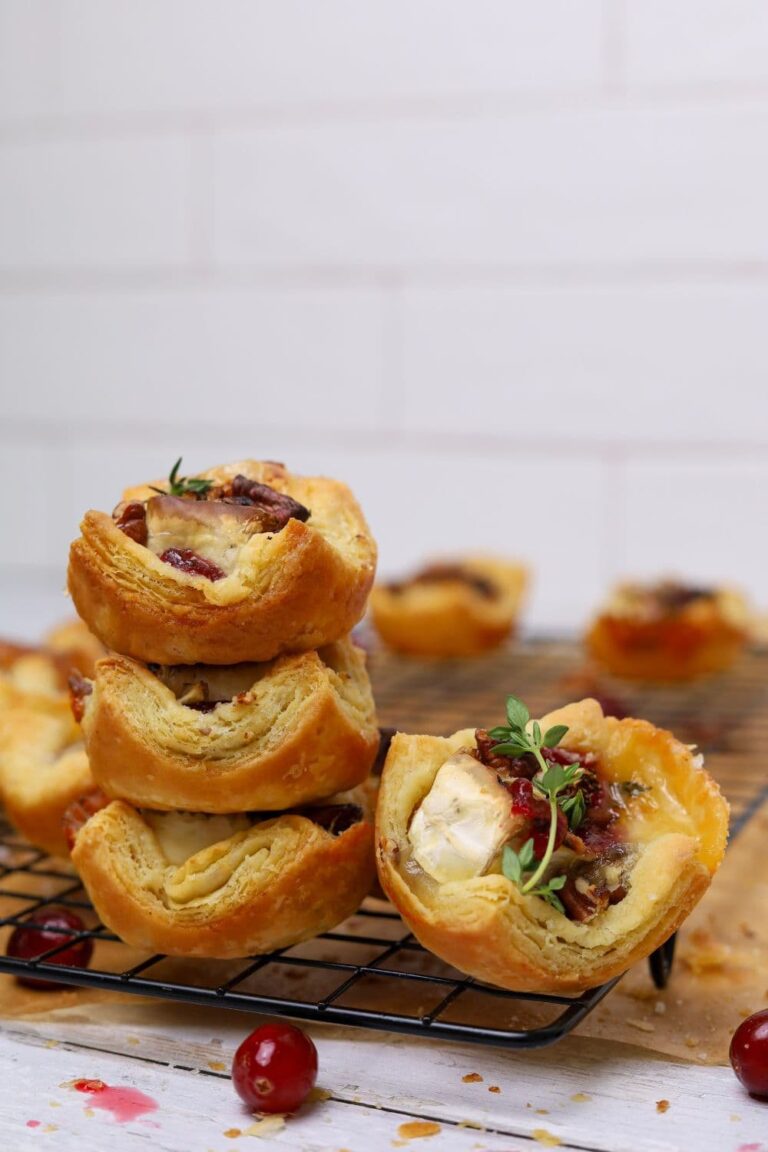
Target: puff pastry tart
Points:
(667, 631)
(230, 739)
(554, 878)
(223, 886)
(43, 768)
(238, 564)
(42, 672)
(452, 608)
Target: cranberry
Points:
(275, 1068)
(749, 1054)
(525, 804)
(44, 930)
(188, 561)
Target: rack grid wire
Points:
(371, 972)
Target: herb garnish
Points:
(195, 486)
(549, 784)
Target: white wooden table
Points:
(582, 1094)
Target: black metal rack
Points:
(395, 962)
(371, 972)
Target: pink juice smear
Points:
(125, 1104)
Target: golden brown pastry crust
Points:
(703, 637)
(43, 768)
(449, 617)
(273, 885)
(485, 927)
(303, 727)
(290, 591)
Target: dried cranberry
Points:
(185, 560)
(526, 804)
(132, 520)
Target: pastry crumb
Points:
(472, 1078)
(217, 1065)
(662, 1105)
(471, 1124)
(265, 1126)
(494, 1088)
(581, 1097)
(418, 1129)
(232, 1133)
(641, 1025)
(691, 1042)
(319, 1094)
(542, 1111)
(548, 1139)
(659, 1007)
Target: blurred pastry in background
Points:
(460, 607)
(43, 764)
(668, 630)
(43, 768)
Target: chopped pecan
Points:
(79, 688)
(507, 767)
(277, 507)
(79, 813)
(582, 898)
(131, 519)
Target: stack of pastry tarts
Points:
(231, 728)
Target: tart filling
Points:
(519, 805)
(445, 573)
(200, 527)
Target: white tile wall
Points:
(549, 187)
(502, 266)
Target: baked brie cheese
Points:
(550, 856)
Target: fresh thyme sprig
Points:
(185, 485)
(521, 738)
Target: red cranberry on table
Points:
(44, 930)
(749, 1054)
(275, 1068)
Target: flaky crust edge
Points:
(320, 886)
(326, 749)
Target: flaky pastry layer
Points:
(266, 885)
(298, 729)
(487, 928)
(288, 591)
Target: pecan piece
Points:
(582, 898)
(79, 813)
(132, 520)
(79, 688)
(277, 507)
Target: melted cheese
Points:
(463, 822)
(181, 835)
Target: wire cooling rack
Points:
(371, 972)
